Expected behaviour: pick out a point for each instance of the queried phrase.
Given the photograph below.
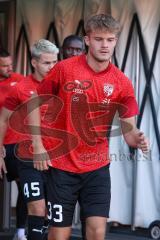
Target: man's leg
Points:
(21, 213)
(96, 228)
(36, 219)
(33, 184)
(94, 201)
(83, 225)
(62, 194)
(59, 233)
(21, 206)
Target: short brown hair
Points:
(102, 22)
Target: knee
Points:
(95, 232)
(59, 233)
(37, 208)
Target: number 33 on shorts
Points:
(58, 212)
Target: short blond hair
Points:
(43, 46)
(102, 22)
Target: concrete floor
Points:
(118, 233)
(110, 236)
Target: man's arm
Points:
(132, 135)
(40, 156)
(5, 113)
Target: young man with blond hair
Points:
(44, 57)
(88, 90)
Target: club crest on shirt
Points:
(108, 89)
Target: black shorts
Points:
(32, 181)
(64, 189)
(11, 162)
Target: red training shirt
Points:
(6, 87)
(20, 93)
(17, 102)
(85, 105)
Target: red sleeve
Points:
(12, 101)
(50, 84)
(18, 77)
(128, 105)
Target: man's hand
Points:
(142, 142)
(41, 159)
(2, 167)
(133, 136)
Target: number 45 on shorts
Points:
(31, 189)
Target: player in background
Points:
(44, 57)
(73, 45)
(8, 79)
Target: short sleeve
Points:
(128, 106)
(12, 101)
(50, 84)
(17, 77)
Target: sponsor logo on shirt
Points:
(78, 86)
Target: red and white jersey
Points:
(85, 104)
(6, 87)
(20, 93)
(17, 102)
